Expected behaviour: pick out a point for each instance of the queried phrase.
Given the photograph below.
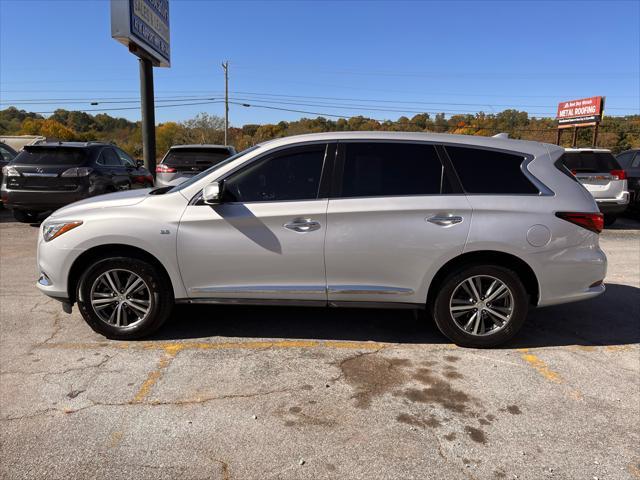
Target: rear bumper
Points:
(613, 205)
(41, 201)
(572, 274)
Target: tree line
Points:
(616, 133)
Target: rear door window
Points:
(590, 162)
(378, 169)
(204, 158)
(625, 159)
(126, 160)
(109, 158)
(51, 156)
(490, 172)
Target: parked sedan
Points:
(184, 161)
(48, 176)
(630, 161)
(601, 174)
(348, 219)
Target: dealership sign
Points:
(143, 26)
(579, 112)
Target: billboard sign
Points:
(143, 26)
(579, 112)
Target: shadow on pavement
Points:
(611, 319)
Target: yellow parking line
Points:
(175, 347)
(154, 375)
(540, 366)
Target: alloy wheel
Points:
(481, 305)
(120, 298)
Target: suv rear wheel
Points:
(25, 216)
(124, 298)
(481, 306)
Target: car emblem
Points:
(40, 170)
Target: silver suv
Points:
(181, 162)
(601, 174)
(476, 230)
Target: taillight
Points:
(77, 172)
(591, 221)
(162, 168)
(9, 171)
(618, 174)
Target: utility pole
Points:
(225, 67)
(148, 115)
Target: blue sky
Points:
(379, 59)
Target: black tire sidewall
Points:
(160, 289)
(447, 325)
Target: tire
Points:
(515, 301)
(609, 219)
(156, 291)
(25, 216)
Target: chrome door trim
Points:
(368, 290)
(263, 289)
(254, 301)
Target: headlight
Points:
(51, 230)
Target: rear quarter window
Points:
(490, 172)
(51, 156)
(590, 162)
(194, 158)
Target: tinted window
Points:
(50, 156)
(590, 162)
(109, 158)
(490, 172)
(624, 159)
(388, 169)
(293, 175)
(182, 157)
(125, 159)
(6, 154)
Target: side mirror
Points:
(139, 163)
(212, 193)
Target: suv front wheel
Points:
(124, 298)
(481, 306)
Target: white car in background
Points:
(601, 174)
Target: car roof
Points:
(68, 145)
(524, 146)
(200, 145)
(597, 150)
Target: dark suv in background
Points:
(48, 176)
(630, 161)
(184, 161)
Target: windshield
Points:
(50, 156)
(209, 170)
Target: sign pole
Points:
(148, 115)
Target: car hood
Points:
(109, 200)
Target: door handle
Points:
(302, 225)
(445, 220)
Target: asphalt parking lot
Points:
(259, 393)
